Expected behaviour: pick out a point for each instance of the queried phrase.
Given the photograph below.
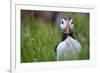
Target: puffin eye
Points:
(72, 22)
(62, 22)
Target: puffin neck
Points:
(65, 35)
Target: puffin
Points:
(68, 48)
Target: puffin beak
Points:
(67, 27)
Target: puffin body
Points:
(69, 48)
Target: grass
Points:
(38, 39)
(82, 33)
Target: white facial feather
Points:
(63, 24)
(71, 25)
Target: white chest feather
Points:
(68, 49)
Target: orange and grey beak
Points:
(67, 27)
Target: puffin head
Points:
(67, 25)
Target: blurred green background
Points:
(40, 33)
